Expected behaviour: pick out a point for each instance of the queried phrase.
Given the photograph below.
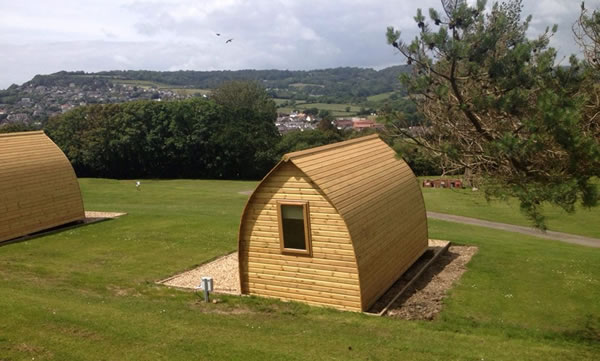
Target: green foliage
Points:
(248, 135)
(326, 124)
(333, 109)
(587, 35)
(16, 127)
(10, 95)
(300, 140)
(498, 107)
(420, 161)
(400, 112)
(337, 85)
(136, 139)
(232, 136)
(311, 111)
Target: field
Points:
(464, 202)
(279, 101)
(302, 85)
(379, 97)
(337, 109)
(88, 293)
(152, 84)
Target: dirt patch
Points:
(123, 292)
(223, 270)
(219, 307)
(424, 299)
(36, 351)
(76, 332)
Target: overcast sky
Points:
(46, 36)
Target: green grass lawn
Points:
(302, 85)
(162, 86)
(380, 97)
(279, 101)
(336, 109)
(88, 293)
(464, 202)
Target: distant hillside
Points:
(45, 95)
(348, 83)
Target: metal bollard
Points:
(207, 286)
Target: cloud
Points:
(47, 36)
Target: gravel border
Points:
(91, 216)
(223, 270)
(421, 301)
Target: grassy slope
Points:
(88, 293)
(465, 202)
(336, 109)
(152, 84)
(379, 97)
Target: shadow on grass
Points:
(589, 333)
(53, 230)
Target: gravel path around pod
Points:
(223, 270)
(422, 301)
(92, 216)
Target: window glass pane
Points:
(292, 212)
(292, 220)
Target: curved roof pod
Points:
(38, 187)
(366, 224)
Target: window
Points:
(294, 227)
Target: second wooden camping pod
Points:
(38, 186)
(335, 225)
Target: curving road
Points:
(530, 231)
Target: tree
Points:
(498, 106)
(300, 140)
(326, 122)
(421, 162)
(247, 135)
(139, 139)
(16, 127)
(587, 35)
(311, 111)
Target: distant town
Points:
(301, 121)
(33, 104)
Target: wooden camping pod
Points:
(38, 187)
(364, 223)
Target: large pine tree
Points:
(498, 106)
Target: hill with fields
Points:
(45, 95)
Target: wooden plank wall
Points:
(329, 277)
(38, 187)
(381, 202)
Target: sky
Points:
(46, 36)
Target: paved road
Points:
(564, 237)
